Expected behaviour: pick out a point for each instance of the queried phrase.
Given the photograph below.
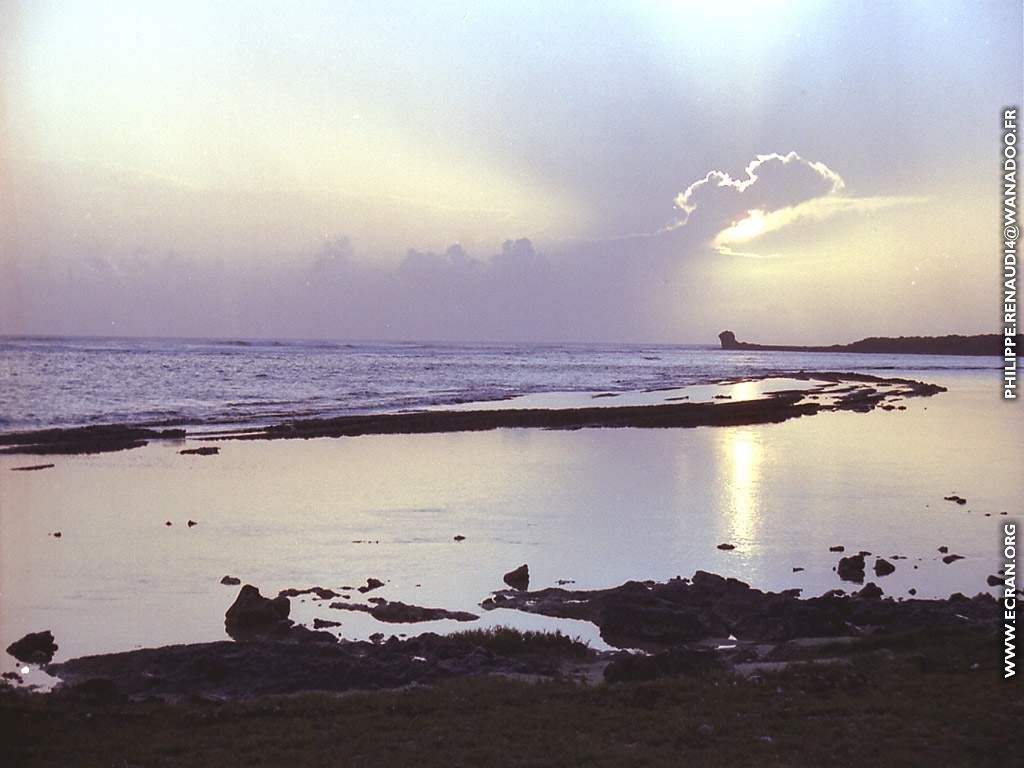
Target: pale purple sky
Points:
(795, 171)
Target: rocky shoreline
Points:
(679, 627)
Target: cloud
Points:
(770, 181)
(775, 191)
(758, 223)
(646, 286)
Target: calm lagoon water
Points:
(597, 506)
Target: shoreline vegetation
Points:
(505, 697)
(840, 390)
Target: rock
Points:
(401, 613)
(943, 549)
(727, 547)
(563, 582)
(320, 592)
(325, 623)
(231, 581)
(911, 591)
(253, 614)
(952, 558)
(459, 537)
(852, 568)
(377, 638)
(168, 523)
(518, 578)
(192, 523)
(206, 450)
(669, 614)
(34, 648)
(370, 585)
(955, 499)
(871, 591)
(883, 567)
(837, 548)
(797, 569)
(56, 534)
(32, 468)
(995, 581)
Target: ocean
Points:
(595, 506)
(217, 384)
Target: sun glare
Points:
(744, 230)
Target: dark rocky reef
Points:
(295, 662)
(101, 438)
(773, 408)
(981, 344)
(658, 615)
(683, 622)
(396, 612)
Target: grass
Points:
(507, 641)
(942, 703)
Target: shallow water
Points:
(599, 506)
(203, 384)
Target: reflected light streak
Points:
(742, 457)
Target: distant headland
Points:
(981, 344)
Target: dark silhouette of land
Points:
(981, 344)
(865, 393)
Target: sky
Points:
(798, 172)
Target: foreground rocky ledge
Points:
(651, 615)
(689, 626)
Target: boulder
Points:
(871, 591)
(231, 581)
(34, 648)
(727, 547)
(883, 567)
(370, 585)
(952, 558)
(518, 578)
(852, 568)
(254, 614)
